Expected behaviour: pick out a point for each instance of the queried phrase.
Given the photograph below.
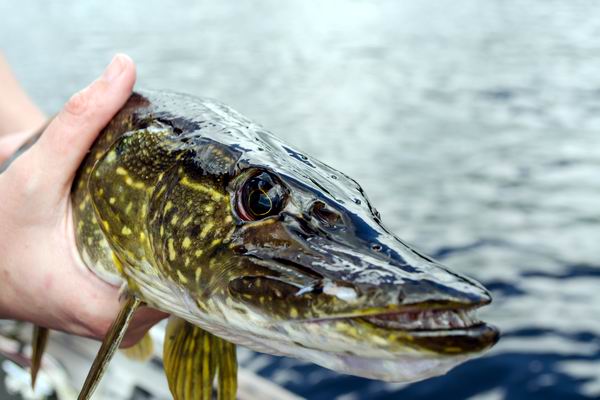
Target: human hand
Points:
(42, 278)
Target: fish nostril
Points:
(376, 247)
(324, 214)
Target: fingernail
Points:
(114, 69)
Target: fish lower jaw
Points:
(425, 320)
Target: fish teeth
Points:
(425, 320)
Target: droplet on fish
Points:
(341, 292)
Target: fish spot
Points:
(182, 277)
(206, 229)
(110, 157)
(186, 243)
(187, 221)
(174, 219)
(172, 252)
(112, 200)
(201, 188)
(198, 253)
(240, 310)
(121, 171)
(82, 206)
(126, 231)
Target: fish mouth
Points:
(425, 320)
(442, 331)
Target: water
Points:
(473, 127)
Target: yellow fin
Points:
(227, 373)
(192, 357)
(40, 339)
(142, 350)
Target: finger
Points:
(67, 139)
(144, 319)
(148, 316)
(11, 143)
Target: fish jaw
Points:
(355, 345)
(403, 369)
(336, 277)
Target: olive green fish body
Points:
(206, 215)
(142, 214)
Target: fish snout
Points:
(395, 278)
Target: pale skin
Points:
(42, 279)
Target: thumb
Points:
(65, 142)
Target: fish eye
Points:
(262, 195)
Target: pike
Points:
(196, 211)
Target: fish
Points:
(195, 210)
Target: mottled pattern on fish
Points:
(206, 215)
(123, 214)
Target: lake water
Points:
(473, 126)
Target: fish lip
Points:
(449, 342)
(445, 341)
(423, 307)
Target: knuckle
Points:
(77, 104)
(82, 107)
(97, 328)
(89, 322)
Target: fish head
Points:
(287, 255)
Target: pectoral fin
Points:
(141, 351)
(192, 357)
(111, 343)
(40, 339)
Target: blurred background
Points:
(473, 126)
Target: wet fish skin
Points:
(159, 206)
